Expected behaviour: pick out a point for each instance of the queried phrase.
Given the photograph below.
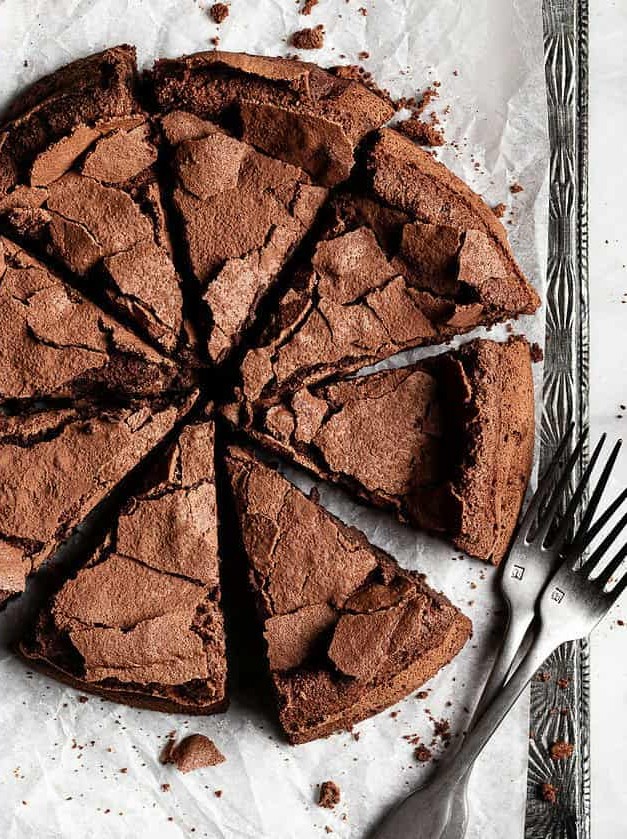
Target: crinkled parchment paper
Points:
(61, 759)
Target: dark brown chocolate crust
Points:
(291, 110)
(241, 214)
(141, 621)
(382, 278)
(55, 344)
(447, 444)
(348, 632)
(97, 87)
(56, 466)
(91, 201)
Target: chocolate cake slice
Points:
(141, 621)
(87, 194)
(56, 344)
(348, 632)
(411, 258)
(241, 214)
(291, 110)
(55, 466)
(446, 443)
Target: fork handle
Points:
(496, 711)
(515, 631)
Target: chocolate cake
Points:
(54, 343)
(446, 443)
(390, 270)
(348, 632)
(241, 214)
(291, 110)
(141, 621)
(87, 195)
(55, 466)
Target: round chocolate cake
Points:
(197, 260)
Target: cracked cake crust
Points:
(446, 443)
(141, 621)
(348, 632)
(56, 466)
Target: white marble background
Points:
(608, 293)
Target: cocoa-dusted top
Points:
(292, 110)
(97, 87)
(55, 467)
(56, 343)
(330, 601)
(446, 443)
(380, 280)
(145, 608)
(242, 213)
(93, 202)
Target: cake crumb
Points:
(83, 699)
(308, 39)
(421, 132)
(563, 682)
(560, 750)
(193, 752)
(515, 188)
(543, 676)
(219, 12)
(422, 694)
(363, 55)
(548, 792)
(217, 793)
(165, 787)
(423, 754)
(536, 352)
(308, 5)
(329, 795)
(499, 210)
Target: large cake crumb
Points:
(329, 795)
(309, 39)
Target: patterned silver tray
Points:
(562, 713)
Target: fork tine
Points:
(544, 485)
(612, 567)
(590, 566)
(560, 536)
(582, 542)
(583, 536)
(619, 588)
(548, 515)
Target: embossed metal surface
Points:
(560, 705)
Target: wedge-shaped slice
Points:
(55, 467)
(446, 443)
(141, 622)
(97, 87)
(88, 195)
(56, 344)
(348, 631)
(388, 273)
(292, 110)
(241, 214)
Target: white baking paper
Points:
(61, 759)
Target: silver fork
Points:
(570, 606)
(525, 572)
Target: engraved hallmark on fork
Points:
(518, 572)
(557, 594)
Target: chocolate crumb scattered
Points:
(499, 210)
(83, 699)
(314, 495)
(422, 694)
(536, 352)
(308, 5)
(308, 39)
(363, 55)
(515, 188)
(543, 676)
(563, 682)
(165, 787)
(362, 11)
(356, 735)
(560, 750)
(548, 792)
(423, 754)
(329, 795)
(217, 793)
(219, 12)
(124, 770)
(193, 752)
